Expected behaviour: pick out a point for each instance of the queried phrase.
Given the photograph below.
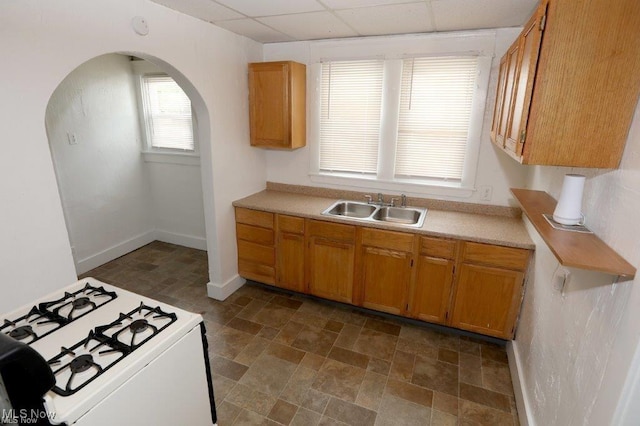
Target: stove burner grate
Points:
(74, 305)
(32, 326)
(105, 346)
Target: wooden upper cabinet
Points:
(277, 104)
(576, 84)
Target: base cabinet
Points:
(255, 239)
(385, 270)
(290, 253)
(489, 289)
(431, 291)
(487, 300)
(330, 260)
(471, 286)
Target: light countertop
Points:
(499, 230)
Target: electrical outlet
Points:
(485, 192)
(71, 137)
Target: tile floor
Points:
(286, 359)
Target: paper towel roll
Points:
(569, 208)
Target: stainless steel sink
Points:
(350, 209)
(401, 215)
(365, 212)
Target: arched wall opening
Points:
(127, 182)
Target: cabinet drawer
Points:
(256, 253)
(255, 271)
(387, 239)
(332, 231)
(254, 217)
(254, 234)
(436, 247)
(291, 224)
(501, 257)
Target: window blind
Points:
(168, 114)
(351, 101)
(436, 100)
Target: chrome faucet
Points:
(380, 199)
(403, 202)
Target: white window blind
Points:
(436, 101)
(167, 111)
(350, 115)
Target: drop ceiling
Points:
(271, 21)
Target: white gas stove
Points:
(116, 358)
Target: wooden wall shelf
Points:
(573, 249)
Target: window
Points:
(167, 114)
(414, 120)
(436, 97)
(350, 116)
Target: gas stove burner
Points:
(22, 332)
(81, 302)
(84, 362)
(139, 325)
(81, 364)
(136, 327)
(31, 326)
(74, 305)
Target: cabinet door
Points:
(500, 103)
(331, 266)
(511, 62)
(385, 279)
(487, 300)
(432, 289)
(269, 104)
(530, 40)
(290, 253)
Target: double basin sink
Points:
(407, 216)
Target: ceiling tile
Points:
(206, 10)
(452, 15)
(310, 26)
(389, 19)
(353, 4)
(254, 30)
(255, 8)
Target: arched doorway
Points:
(95, 138)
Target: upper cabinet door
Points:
(511, 64)
(277, 104)
(497, 137)
(529, 48)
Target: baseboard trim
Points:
(519, 389)
(222, 291)
(181, 239)
(93, 261)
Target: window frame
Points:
(140, 69)
(144, 95)
(393, 51)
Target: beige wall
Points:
(575, 347)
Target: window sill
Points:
(371, 183)
(171, 158)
